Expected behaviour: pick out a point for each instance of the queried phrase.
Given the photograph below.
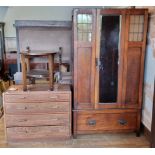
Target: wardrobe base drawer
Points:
(98, 122)
(37, 133)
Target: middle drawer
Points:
(34, 108)
(36, 120)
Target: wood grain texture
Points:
(84, 73)
(37, 115)
(51, 71)
(104, 122)
(34, 133)
(141, 86)
(133, 75)
(36, 120)
(33, 97)
(84, 64)
(33, 108)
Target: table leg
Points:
(51, 66)
(24, 72)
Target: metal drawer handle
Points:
(91, 122)
(122, 122)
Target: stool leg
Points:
(51, 66)
(24, 72)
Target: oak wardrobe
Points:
(109, 54)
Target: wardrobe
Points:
(109, 53)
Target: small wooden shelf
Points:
(38, 73)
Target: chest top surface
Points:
(39, 88)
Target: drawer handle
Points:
(22, 98)
(122, 122)
(91, 122)
(22, 108)
(26, 131)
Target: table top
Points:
(35, 88)
(39, 53)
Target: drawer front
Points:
(29, 108)
(36, 120)
(105, 122)
(36, 97)
(34, 133)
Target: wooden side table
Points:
(28, 73)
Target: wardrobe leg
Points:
(138, 133)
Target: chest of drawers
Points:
(37, 115)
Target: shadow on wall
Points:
(149, 74)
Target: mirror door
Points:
(108, 59)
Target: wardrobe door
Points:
(84, 57)
(135, 40)
(109, 40)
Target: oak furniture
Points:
(37, 114)
(109, 53)
(28, 73)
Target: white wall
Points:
(34, 13)
(149, 72)
(10, 14)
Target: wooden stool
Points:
(28, 73)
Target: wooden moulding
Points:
(40, 23)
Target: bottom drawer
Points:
(106, 121)
(41, 132)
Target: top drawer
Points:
(36, 97)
